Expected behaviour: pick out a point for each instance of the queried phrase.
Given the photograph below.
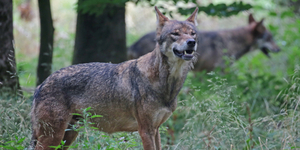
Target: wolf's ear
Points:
(251, 19)
(260, 27)
(261, 21)
(193, 17)
(160, 18)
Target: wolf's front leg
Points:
(148, 138)
(157, 140)
(147, 133)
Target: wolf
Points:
(136, 95)
(141, 47)
(214, 45)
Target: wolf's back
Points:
(143, 46)
(71, 82)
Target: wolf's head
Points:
(177, 39)
(263, 37)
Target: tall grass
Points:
(218, 118)
(14, 123)
(210, 116)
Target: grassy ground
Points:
(254, 105)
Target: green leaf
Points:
(293, 147)
(8, 147)
(273, 28)
(220, 10)
(76, 114)
(272, 13)
(86, 109)
(63, 142)
(95, 116)
(287, 14)
(59, 146)
(105, 136)
(21, 140)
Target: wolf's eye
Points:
(175, 33)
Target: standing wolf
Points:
(213, 45)
(137, 95)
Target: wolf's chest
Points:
(161, 115)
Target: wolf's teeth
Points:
(184, 52)
(192, 52)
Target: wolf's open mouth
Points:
(265, 51)
(186, 54)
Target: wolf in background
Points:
(214, 45)
(136, 95)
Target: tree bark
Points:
(46, 41)
(101, 38)
(9, 81)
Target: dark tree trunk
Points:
(9, 81)
(101, 38)
(46, 42)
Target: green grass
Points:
(254, 105)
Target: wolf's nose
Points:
(191, 42)
(278, 50)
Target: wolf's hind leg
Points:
(49, 136)
(50, 128)
(70, 134)
(69, 138)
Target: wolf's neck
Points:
(169, 76)
(171, 67)
(239, 41)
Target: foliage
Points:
(97, 7)
(220, 10)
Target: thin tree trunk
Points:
(101, 38)
(46, 42)
(9, 81)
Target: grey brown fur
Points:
(137, 95)
(214, 45)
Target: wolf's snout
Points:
(277, 50)
(191, 42)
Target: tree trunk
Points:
(101, 38)
(9, 81)
(46, 41)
